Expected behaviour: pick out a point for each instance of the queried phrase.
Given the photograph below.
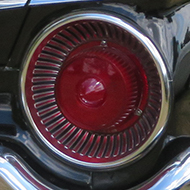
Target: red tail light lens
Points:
(93, 90)
(101, 87)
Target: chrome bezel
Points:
(154, 53)
(7, 4)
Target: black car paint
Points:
(11, 22)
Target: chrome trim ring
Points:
(160, 66)
(7, 4)
(45, 2)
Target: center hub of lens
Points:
(98, 89)
(91, 92)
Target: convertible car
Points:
(94, 94)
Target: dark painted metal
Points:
(10, 21)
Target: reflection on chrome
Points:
(176, 175)
(42, 2)
(11, 175)
(5, 4)
(14, 174)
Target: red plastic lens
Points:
(93, 91)
(101, 87)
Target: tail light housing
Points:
(95, 90)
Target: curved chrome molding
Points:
(176, 175)
(154, 53)
(6, 4)
(14, 174)
(45, 2)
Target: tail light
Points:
(95, 90)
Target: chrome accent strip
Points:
(175, 175)
(45, 2)
(14, 174)
(152, 50)
(6, 4)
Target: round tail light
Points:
(95, 90)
